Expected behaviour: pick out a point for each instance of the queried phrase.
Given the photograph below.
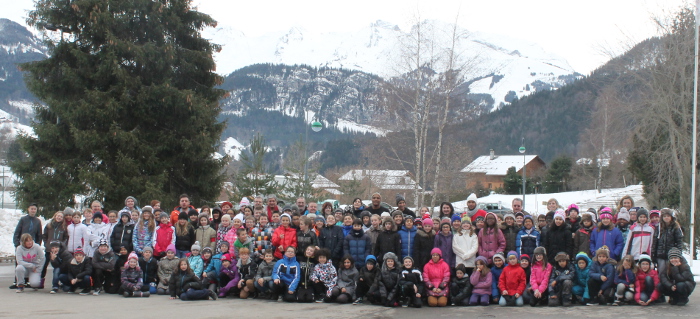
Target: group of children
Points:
(386, 259)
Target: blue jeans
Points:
(195, 294)
(67, 286)
(518, 301)
(54, 281)
(181, 253)
(267, 286)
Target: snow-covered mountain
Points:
(507, 67)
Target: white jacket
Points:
(78, 236)
(465, 248)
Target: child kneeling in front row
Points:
(561, 281)
(132, 278)
(512, 282)
(481, 280)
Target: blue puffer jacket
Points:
(581, 283)
(526, 241)
(607, 270)
(495, 276)
(607, 236)
(407, 241)
(215, 264)
(288, 271)
(359, 247)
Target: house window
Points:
(490, 186)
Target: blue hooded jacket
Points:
(288, 271)
(605, 236)
(527, 240)
(581, 281)
(407, 241)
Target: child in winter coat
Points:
(262, 239)
(324, 276)
(511, 283)
(539, 277)
(368, 274)
(205, 234)
(561, 281)
(185, 284)
(305, 290)
(580, 289)
(75, 273)
(481, 280)
(306, 237)
(510, 231)
(78, 234)
(212, 272)
(623, 221)
(163, 237)
(582, 237)
(668, 234)
(284, 236)
(344, 291)
(98, 231)
(263, 277)
(166, 267)
(436, 274)
(606, 234)
(143, 231)
(407, 233)
(677, 280)
(528, 237)
(122, 234)
(625, 278)
(498, 265)
(228, 276)
(247, 268)
(195, 260)
(149, 267)
(243, 240)
(410, 284)
(184, 235)
(558, 237)
(646, 282)
(640, 236)
(460, 287)
(602, 277)
(286, 274)
(465, 244)
(491, 239)
(132, 278)
(103, 271)
(387, 279)
(525, 263)
(388, 241)
(425, 241)
(222, 231)
(357, 244)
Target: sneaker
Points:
(279, 299)
(20, 289)
(616, 303)
(13, 286)
(319, 300)
(54, 290)
(85, 292)
(592, 304)
(357, 301)
(96, 292)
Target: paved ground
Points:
(41, 304)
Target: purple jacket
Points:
(231, 272)
(482, 284)
(491, 241)
(445, 244)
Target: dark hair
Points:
(349, 257)
(323, 252)
(357, 221)
(461, 268)
(183, 196)
(240, 231)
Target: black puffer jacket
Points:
(674, 275)
(510, 233)
(331, 237)
(558, 239)
(122, 235)
(77, 270)
(388, 241)
(247, 271)
(666, 238)
(386, 282)
(185, 242)
(424, 243)
(181, 282)
(62, 257)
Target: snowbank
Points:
(8, 221)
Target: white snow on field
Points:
(348, 126)
(23, 105)
(536, 204)
(8, 221)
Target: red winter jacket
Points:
(437, 275)
(512, 280)
(479, 213)
(639, 285)
(539, 279)
(164, 236)
(290, 239)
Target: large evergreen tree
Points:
(129, 105)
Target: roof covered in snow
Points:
(322, 182)
(498, 164)
(383, 179)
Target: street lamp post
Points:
(522, 151)
(316, 126)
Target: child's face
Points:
(295, 220)
(303, 226)
(510, 221)
(524, 263)
(445, 228)
(370, 266)
(347, 220)
(237, 223)
(479, 266)
(310, 251)
(224, 249)
(263, 220)
(76, 219)
(602, 259)
(390, 263)
(558, 221)
(123, 251)
(588, 223)
(195, 252)
(268, 258)
(519, 220)
(407, 263)
(134, 216)
(457, 224)
(170, 254)
(626, 264)
(408, 223)
(642, 219)
(206, 255)
(133, 263)
(125, 219)
(225, 222)
(348, 264)
(164, 220)
(539, 257)
(655, 219)
(398, 219)
(249, 224)
(285, 221)
(357, 227)
(427, 228)
(330, 220)
(275, 218)
(480, 224)
(97, 220)
(562, 263)
(498, 262)
(667, 218)
(365, 220)
(581, 264)
(112, 218)
(645, 266)
(512, 260)
(388, 226)
(338, 215)
(289, 252)
(226, 263)
(542, 222)
(243, 236)
(435, 257)
(203, 221)
(459, 274)
(528, 223)
(319, 224)
(147, 254)
(183, 266)
(466, 226)
(322, 259)
(622, 222)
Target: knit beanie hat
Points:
(192, 212)
(604, 215)
(407, 217)
(147, 209)
(227, 217)
(466, 220)
(244, 202)
(225, 243)
(396, 212)
(561, 256)
(426, 215)
(319, 218)
(163, 215)
(436, 251)
(136, 203)
(519, 214)
(196, 246)
(654, 212)
(385, 214)
(512, 253)
(226, 257)
(526, 257)
(603, 251)
(528, 217)
(399, 198)
(572, 207)
(508, 215)
(171, 247)
(132, 255)
(674, 253)
(428, 222)
(55, 243)
(642, 211)
(371, 259)
(644, 257)
(103, 242)
(623, 214)
(472, 197)
(499, 255)
(98, 215)
(148, 248)
(80, 251)
(455, 217)
(582, 256)
(559, 214)
(182, 216)
(207, 249)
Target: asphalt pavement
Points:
(41, 304)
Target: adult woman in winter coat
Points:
(606, 234)
(436, 275)
(491, 239)
(123, 232)
(558, 238)
(668, 235)
(425, 241)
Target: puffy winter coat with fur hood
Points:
(437, 275)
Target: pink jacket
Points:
(437, 275)
(539, 279)
(482, 284)
(491, 241)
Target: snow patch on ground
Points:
(233, 148)
(23, 105)
(8, 221)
